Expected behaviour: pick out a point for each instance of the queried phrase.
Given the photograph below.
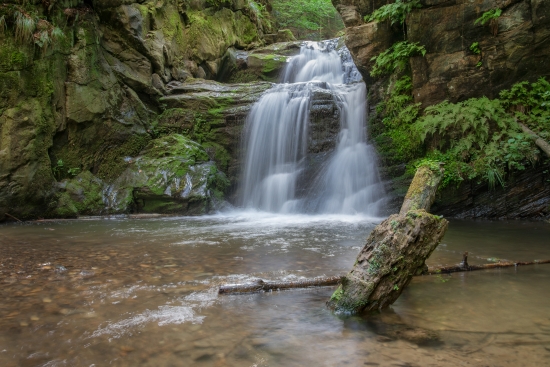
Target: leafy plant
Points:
(476, 139)
(399, 113)
(395, 58)
(25, 24)
(491, 17)
(395, 12)
(475, 48)
(58, 168)
(73, 171)
(488, 16)
(530, 103)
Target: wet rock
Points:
(172, 175)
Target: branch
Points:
(542, 144)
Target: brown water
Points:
(144, 293)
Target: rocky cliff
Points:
(104, 107)
(464, 59)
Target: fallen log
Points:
(395, 250)
(266, 286)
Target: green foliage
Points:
(395, 58)
(395, 12)
(488, 16)
(73, 171)
(307, 18)
(475, 48)
(3, 26)
(476, 139)
(57, 170)
(25, 24)
(29, 28)
(530, 103)
(218, 3)
(399, 113)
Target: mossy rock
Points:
(84, 193)
(173, 174)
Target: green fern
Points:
(395, 13)
(475, 48)
(476, 139)
(488, 16)
(395, 58)
(25, 25)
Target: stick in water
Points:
(264, 286)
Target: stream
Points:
(128, 292)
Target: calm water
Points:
(144, 292)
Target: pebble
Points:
(46, 300)
(35, 318)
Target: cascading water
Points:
(276, 141)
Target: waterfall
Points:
(276, 141)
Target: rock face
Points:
(526, 195)
(94, 100)
(513, 48)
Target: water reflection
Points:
(143, 292)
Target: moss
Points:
(86, 192)
(337, 295)
(112, 162)
(218, 154)
(65, 206)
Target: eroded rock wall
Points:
(514, 48)
(91, 101)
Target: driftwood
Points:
(264, 286)
(260, 285)
(460, 268)
(541, 143)
(11, 216)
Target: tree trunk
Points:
(543, 145)
(421, 193)
(395, 250)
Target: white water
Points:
(276, 142)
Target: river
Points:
(129, 292)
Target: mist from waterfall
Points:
(276, 142)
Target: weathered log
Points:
(395, 251)
(259, 285)
(421, 193)
(541, 143)
(263, 286)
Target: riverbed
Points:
(143, 292)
